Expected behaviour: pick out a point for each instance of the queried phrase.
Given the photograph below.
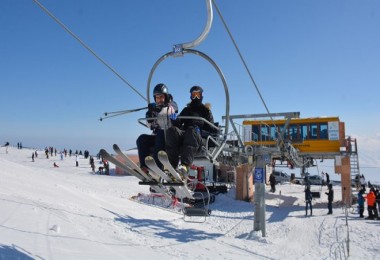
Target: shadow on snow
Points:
(165, 229)
(13, 252)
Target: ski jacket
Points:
(198, 110)
(330, 195)
(162, 116)
(272, 179)
(360, 199)
(308, 195)
(371, 198)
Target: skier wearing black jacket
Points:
(185, 137)
(162, 109)
(330, 198)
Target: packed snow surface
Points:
(71, 213)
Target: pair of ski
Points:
(131, 168)
(154, 175)
(180, 186)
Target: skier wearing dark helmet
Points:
(162, 110)
(185, 137)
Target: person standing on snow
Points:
(371, 204)
(185, 137)
(361, 203)
(308, 198)
(330, 198)
(272, 182)
(377, 193)
(163, 109)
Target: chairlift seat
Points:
(196, 212)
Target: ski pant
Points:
(329, 206)
(308, 202)
(372, 211)
(182, 143)
(150, 145)
(361, 210)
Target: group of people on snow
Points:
(373, 200)
(182, 138)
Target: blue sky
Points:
(321, 58)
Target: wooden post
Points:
(244, 183)
(343, 166)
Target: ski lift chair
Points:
(200, 210)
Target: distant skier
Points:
(308, 198)
(377, 193)
(106, 168)
(55, 165)
(371, 204)
(272, 182)
(330, 198)
(361, 203)
(6, 147)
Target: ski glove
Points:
(154, 108)
(173, 116)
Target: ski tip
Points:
(115, 146)
(149, 158)
(162, 153)
(102, 151)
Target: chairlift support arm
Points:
(205, 32)
(221, 75)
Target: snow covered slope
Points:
(71, 213)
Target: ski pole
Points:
(125, 111)
(119, 113)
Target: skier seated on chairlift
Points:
(163, 109)
(184, 138)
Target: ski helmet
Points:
(161, 89)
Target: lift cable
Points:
(245, 65)
(88, 48)
(281, 141)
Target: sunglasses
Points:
(196, 94)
